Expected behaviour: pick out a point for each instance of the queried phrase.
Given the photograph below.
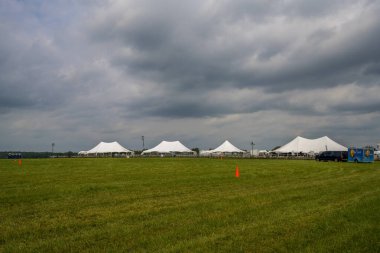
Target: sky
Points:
(79, 72)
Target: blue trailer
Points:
(361, 155)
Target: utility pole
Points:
(52, 148)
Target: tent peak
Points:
(300, 144)
(108, 147)
(168, 147)
(226, 147)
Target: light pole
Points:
(143, 144)
(252, 144)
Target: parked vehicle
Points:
(337, 156)
(377, 154)
(361, 155)
(14, 155)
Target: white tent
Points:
(168, 147)
(254, 152)
(225, 148)
(263, 152)
(205, 152)
(108, 148)
(300, 144)
(82, 153)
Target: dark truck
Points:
(337, 156)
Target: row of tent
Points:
(165, 147)
(297, 145)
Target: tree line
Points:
(4, 154)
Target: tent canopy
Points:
(169, 147)
(108, 147)
(226, 147)
(300, 144)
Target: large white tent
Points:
(169, 147)
(107, 148)
(300, 144)
(225, 148)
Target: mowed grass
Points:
(188, 205)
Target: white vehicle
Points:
(377, 154)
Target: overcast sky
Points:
(80, 72)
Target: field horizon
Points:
(188, 205)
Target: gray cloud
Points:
(172, 47)
(199, 71)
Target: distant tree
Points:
(138, 152)
(195, 150)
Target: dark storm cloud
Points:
(311, 9)
(206, 68)
(369, 107)
(182, 48)
(26, 68)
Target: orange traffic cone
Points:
(237, 173)
(19, 162)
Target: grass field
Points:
(188, 205)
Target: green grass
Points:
(188, 205)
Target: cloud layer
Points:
(76, 73)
